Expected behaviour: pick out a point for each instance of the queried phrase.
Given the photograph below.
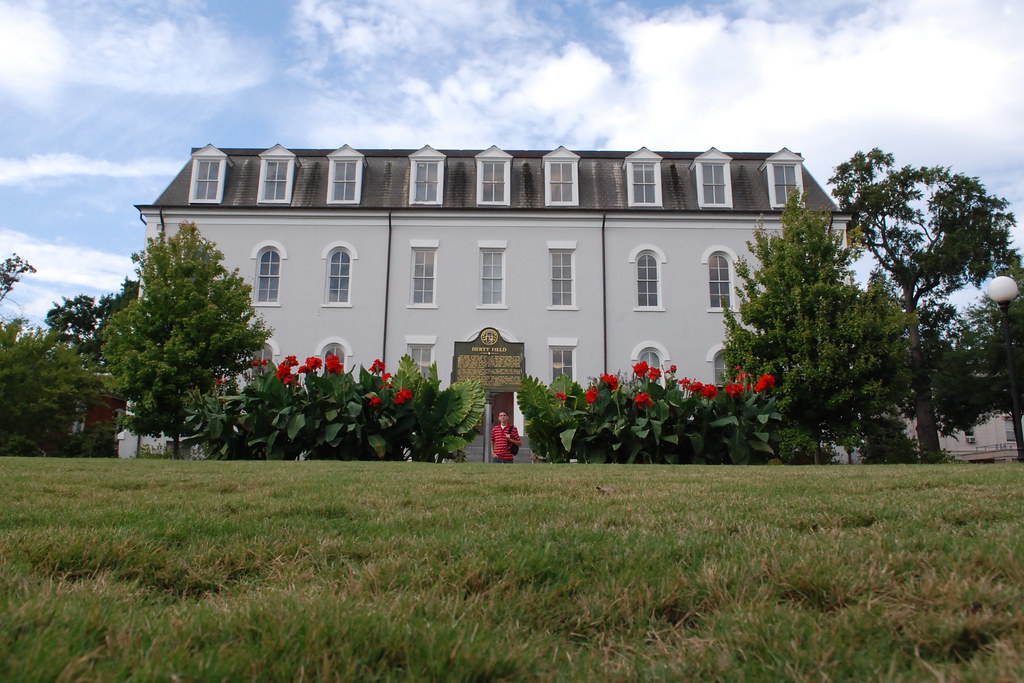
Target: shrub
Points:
(650, 417)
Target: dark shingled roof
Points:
(602, 182)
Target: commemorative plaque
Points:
(498, 364)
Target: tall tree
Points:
(836, 350)
(932, 233)
(11, 271)
(81, 321)
(44, 389)
(193, 324)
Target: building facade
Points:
(593, 260)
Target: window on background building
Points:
(644, 185)
(266, 353)
(426, 181)
(268, 276)
(785, 181)
(718, 280)
(344, 184)
(646, 280)
(423, 276)
(718, 370)
(714, 183)
(562, 361)
(561, 182)
(423, 356)
(492, 277)
(493, 182)
(562, 278)
(651, 357)
(333, 349)
(275, 182)
(1008, 424)
(207, 185)
(339, 272)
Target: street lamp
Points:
(1003, 290)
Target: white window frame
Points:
(504, 159)
(429, 156)
(499, 247)
(562, 248)
(642, 158)
(208, 155)
(260, 276)
(325, 256)
(567, 344)
(783, 158)
(345, 155)
(346, 357)
(711, 159)
(562, 156)
(730, 258)
(727, 295)
(650, 346)
(419, 343)
(659, 260)
(422, 247)
(276, 155)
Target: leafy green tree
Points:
(836, 350)
(44, 389)
(81, 321)
(12, 270)
(970, 382)
(193, 324)
(932, 233)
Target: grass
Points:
(200, 571)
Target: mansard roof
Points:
(602, 182)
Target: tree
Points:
(836, 350)
(11, 271)
(193, 324)
(81, 321)
(932, 232)
(971, 383)
(44, 389)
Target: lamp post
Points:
(1003, 290)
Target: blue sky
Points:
(101, 101)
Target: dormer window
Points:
(561, 169)
(493, 170)
(784, 172)
(426, 182)
(643, 178)
(209, 166)
(345, 177)
(714, 180)
(277, 169)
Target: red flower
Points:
(385, 377)
(283, 371)
(641, 368)
(611, 380)
(288, 379)
(290, 361)
(709, 391)
(766, 382)
(221, 380)
(334, 366)
(654, 373)
(671, 369)
(591, 395)
(561, 396)
(374, 401)
(695, 387)
(403, 396)
(314, 363)
(378, 366)
(302, 370)
(734, 390)
(643, 399)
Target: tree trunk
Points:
(819, 454)
(921, 385)
(176, 448)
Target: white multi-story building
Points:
(593, 260)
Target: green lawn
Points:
(208, 571)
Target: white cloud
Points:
(63, 165)
(33, 53)
(62, 270)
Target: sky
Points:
(102, 101)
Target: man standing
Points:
(504, 435)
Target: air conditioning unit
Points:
(971, 439)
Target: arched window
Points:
(268, 276)
(266, 353)
(719, 368)
(646, 280)
(718, 280)
(651, 357)
(333, 350)
(339, 272)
